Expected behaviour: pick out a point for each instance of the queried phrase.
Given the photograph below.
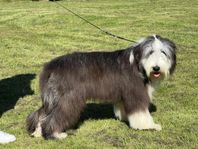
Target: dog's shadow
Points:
(103, 111)
(12, 89)
(97, 111)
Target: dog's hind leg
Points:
(38, 131)
(63, 116)
(34, 122)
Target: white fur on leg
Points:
(60, 135)
(150, 90)
(38, 131)
(119, 111)
(142, 120)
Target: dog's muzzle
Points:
(156, 71)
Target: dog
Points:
(126, 78)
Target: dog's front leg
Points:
(119, 111)
(142, 120)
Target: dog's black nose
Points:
(156, 68)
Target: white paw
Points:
(145, 127)
(157, 127)
(38, 131)
(60, 135)
(143, 120)
(36, 134)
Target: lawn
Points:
(32, 33)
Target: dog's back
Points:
(82, 71)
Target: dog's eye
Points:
(164, 53)
(151, 52)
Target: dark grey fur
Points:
(68, 81)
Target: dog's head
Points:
(155, 57)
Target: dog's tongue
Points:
(156, 74)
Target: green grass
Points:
(32, 33)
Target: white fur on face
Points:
(157, 54)
(142, 120)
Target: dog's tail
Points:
(49, 81)
(34, 118)
(43, 80)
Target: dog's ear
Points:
(173, 61)
(172, 48)
(138, 48)
(137, 53)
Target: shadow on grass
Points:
(103, 111)
(94, 111)
(152, 108)
(97, 111)
(13, 88)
